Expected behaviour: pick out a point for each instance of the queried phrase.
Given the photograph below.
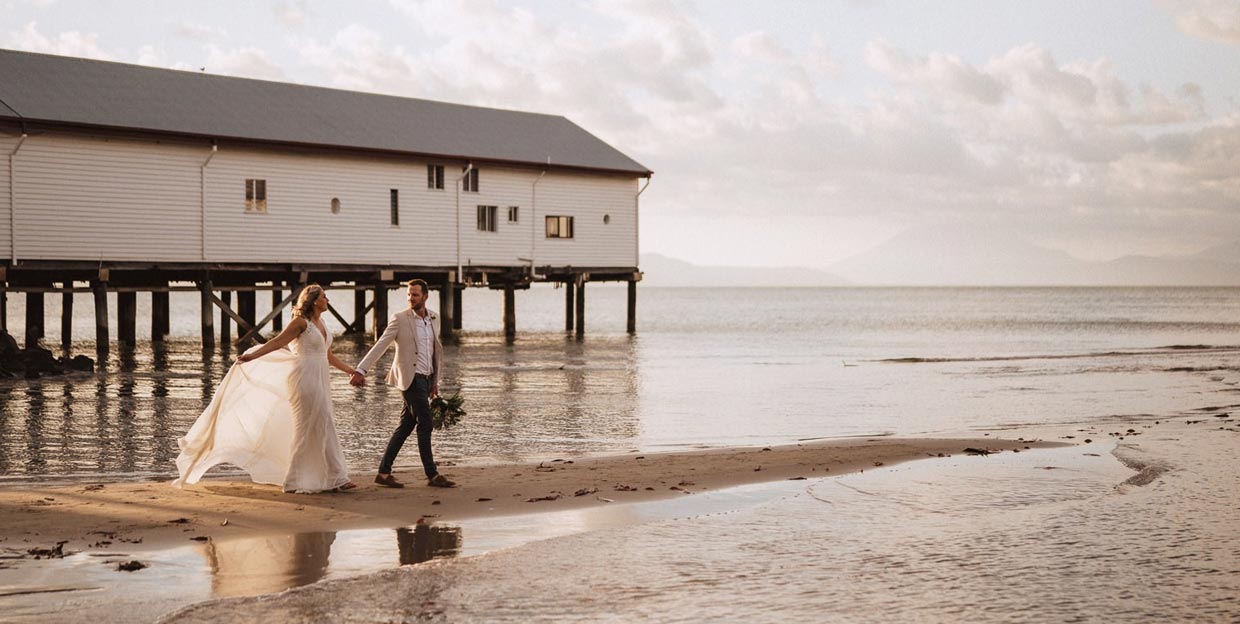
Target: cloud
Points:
(67, 43)
(293, 13)
(940, 73)
(1213, 20)
(248, 62)
(201, 33)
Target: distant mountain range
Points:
(965, 257)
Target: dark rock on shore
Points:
(36, 362)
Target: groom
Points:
(415, 370)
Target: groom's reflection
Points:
(425, 542)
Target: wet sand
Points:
(137, 516)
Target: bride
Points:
(272, 414)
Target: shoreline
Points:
(154, 515)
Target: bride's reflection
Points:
(425, 542)
(262, 565)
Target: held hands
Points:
(435, 389)
(357, 379)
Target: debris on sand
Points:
(976, 451)
(55, 552)
(130, 566)
(585, 491)
(543, 498)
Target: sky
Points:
(784, 132)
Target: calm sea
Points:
(724, 367)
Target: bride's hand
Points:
(244, 357)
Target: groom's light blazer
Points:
(401, 330)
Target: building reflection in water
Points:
(546, 394)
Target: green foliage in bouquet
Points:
(447, 412)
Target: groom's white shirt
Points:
(402, 331)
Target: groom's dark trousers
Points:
(417, 413)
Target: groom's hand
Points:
(435, 389)
(357, 379)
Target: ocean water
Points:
(708, 367)
(1134, 526)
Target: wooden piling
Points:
(447, 312)
(225, 321)
(632, 312)
(581, 306)
(66, 319)
(161, 323)
(4, 310)
(458, 310)
(102, 345)
(208, 315)
(359, 313)
(127, 317)
(510, 312)
(246, 307)
(34, 318)
(277, 297)
(380, 309)
(570, 294)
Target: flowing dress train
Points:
(272, 417)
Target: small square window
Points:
(486, 218)
(434, 176)
(559, 227)
(513, 213)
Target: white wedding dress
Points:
(272, 417)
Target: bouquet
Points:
(447, 412)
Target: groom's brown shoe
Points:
(388, 481)
(440, 481)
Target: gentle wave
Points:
(1064, 356)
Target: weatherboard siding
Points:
(588, 199)
(105, 199)
(84, 197)
(7, 143)
(299, 225)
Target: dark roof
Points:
(60, 89)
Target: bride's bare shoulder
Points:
(298, 323)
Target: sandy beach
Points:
(150, 515)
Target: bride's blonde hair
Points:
(305, 301)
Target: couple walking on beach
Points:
(272, 413)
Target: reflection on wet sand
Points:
(425, 542)
(262, 565)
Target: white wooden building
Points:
(124, 174)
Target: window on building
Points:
(255, 195)
(469, 183)
(606, 219)
(335, 205)
(486, 218)
(434, 176)
(395, 201)
(513, 213)
(559, 227)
